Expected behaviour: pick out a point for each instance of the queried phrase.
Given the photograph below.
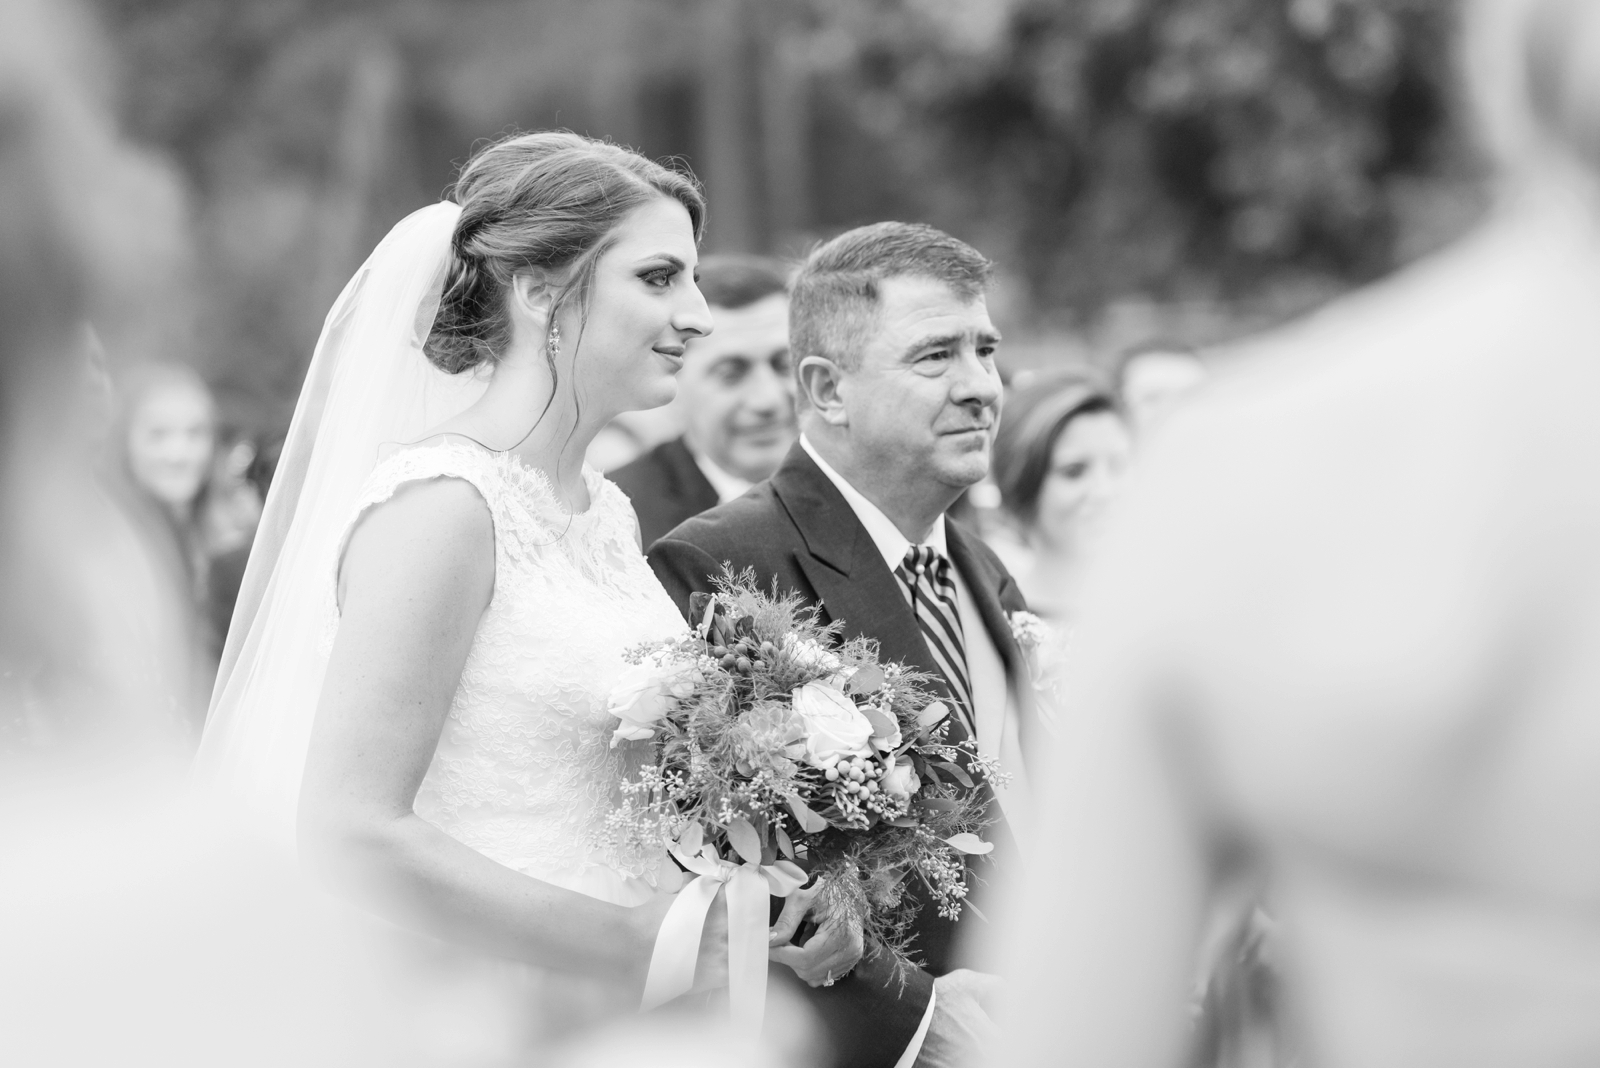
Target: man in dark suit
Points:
(736, 396)
(899, 401)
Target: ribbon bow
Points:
(678, 942)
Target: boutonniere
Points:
(1042, 645)
(1028, 631)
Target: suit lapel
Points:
(851, 581)
(848, 574)
(687, 482)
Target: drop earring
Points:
(552, 341)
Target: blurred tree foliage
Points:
(1248, 155)
(1262, 153)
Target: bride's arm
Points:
(416, 578)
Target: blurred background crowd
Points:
(185, 185)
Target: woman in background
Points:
(1059, 459)
(162, 447)
(167, 439)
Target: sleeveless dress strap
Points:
(419, 463)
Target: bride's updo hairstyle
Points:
(537, 201)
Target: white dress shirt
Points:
(728, 486)
(995, 713)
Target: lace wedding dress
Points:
(524, 772)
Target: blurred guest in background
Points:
(168, 441)
(1154, 377)
(233, 498)
(1342, 644)
(163, 454)
(1059, 460)
(736, 396)
(191, 486)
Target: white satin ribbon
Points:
(677, 947)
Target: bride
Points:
(439, 601)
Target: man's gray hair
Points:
(835, 296)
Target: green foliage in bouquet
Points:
(776, 744)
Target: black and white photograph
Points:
(800, 533)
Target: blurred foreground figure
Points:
(154, 935)
(91, 667)
(132, 930)
(1344, 644)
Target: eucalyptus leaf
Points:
(810, 822)
(959, 772)
(745, 841)
(769, 847)
(867, 679)
(970, 844)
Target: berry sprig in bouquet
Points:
(775, 745)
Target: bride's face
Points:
(644, 306)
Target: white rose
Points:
(644, 694)
(813, 655)
(835, 728)
(901, 779)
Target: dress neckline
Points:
(519, 471)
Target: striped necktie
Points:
(925, 579)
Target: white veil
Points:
(368, 385)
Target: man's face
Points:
(736, 392)
(925, 401)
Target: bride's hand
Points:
(711, 966)
(826, 956)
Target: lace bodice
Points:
(524, 771)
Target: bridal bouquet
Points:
(773, 750)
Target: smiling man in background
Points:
(736, 396)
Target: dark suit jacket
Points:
(797, 528)
(666, 487)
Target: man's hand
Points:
(961, 1032)
(827, 955)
